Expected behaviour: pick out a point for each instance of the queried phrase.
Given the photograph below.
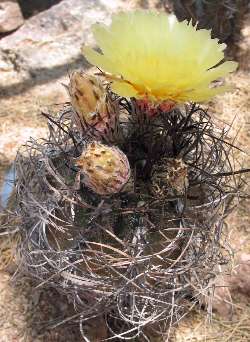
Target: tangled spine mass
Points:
(134, 250)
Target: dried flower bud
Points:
(177, 175)
(171, 175)
(86, 95)
(106, 169)
(92, 105)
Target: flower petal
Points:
(220, 71)
(124, 89)
(98, 59)
(203, 95)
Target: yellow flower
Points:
(152, 55)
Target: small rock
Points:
(226, 287)
(49, 44)
(10, 16)
(239, 282)
(36, 59)
(222, 301)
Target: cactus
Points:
(145, 228)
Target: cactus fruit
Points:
(106, 169)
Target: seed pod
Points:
(94, 112)
(106, 169)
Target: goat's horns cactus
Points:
(106, 169)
